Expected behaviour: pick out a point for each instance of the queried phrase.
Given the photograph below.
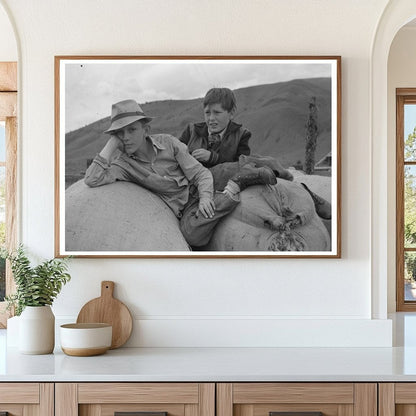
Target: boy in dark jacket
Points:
(218, 139)
(222, 145)
(221, 141)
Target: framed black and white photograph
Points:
(183, 156)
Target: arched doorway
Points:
(396, 15)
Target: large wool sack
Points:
(321, 185)
(119, 217)
(258, 222)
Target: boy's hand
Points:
(112, 145)
(202, 155)
(206, 207)
(116, 142)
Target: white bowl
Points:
(85, 339)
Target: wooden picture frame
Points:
(291, 106)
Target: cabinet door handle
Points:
(139, 414)
(295, 413)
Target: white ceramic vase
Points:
(37, 330)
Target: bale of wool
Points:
(128, 218)
(121, 216)
(262, 222)
(320, 185)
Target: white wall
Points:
(401, 74)
(208, 301)
(8, 46)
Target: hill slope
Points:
(276, 114)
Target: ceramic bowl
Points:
(84, 340)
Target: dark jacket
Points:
(233, 144)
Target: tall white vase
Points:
(37, 330)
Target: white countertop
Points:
(221, 364)
(215, 364)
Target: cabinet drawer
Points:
(138, 393)
(270, 399)
(21, 399)
(19, 393)
(107, 399)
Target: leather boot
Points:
(248, 175)
(268, 161)
(322, 206)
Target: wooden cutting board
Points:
(109, 310)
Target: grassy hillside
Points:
(276, 114)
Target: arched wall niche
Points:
(396, 15)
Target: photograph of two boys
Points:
(198, 156)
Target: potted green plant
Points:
(36, 289)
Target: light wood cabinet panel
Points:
(130, 393)
(225, 399)
(405, 393)
(191, 410)
(386, 399)
(66, 399)
(19, 393)
(27, 399)
(332, 399)
(102, 399)
(346, 410)
(208, 399)
(46, 399)
(365, 399)
(109, 409)
(293, 392)
(397, 399)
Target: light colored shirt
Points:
(169, 174)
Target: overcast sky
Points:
(92, 87)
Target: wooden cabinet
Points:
(397, 399)
(105, 399)
(208, 399)
(331, 399)
(230, 399)
(27, 399)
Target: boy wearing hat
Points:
(162, 164)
